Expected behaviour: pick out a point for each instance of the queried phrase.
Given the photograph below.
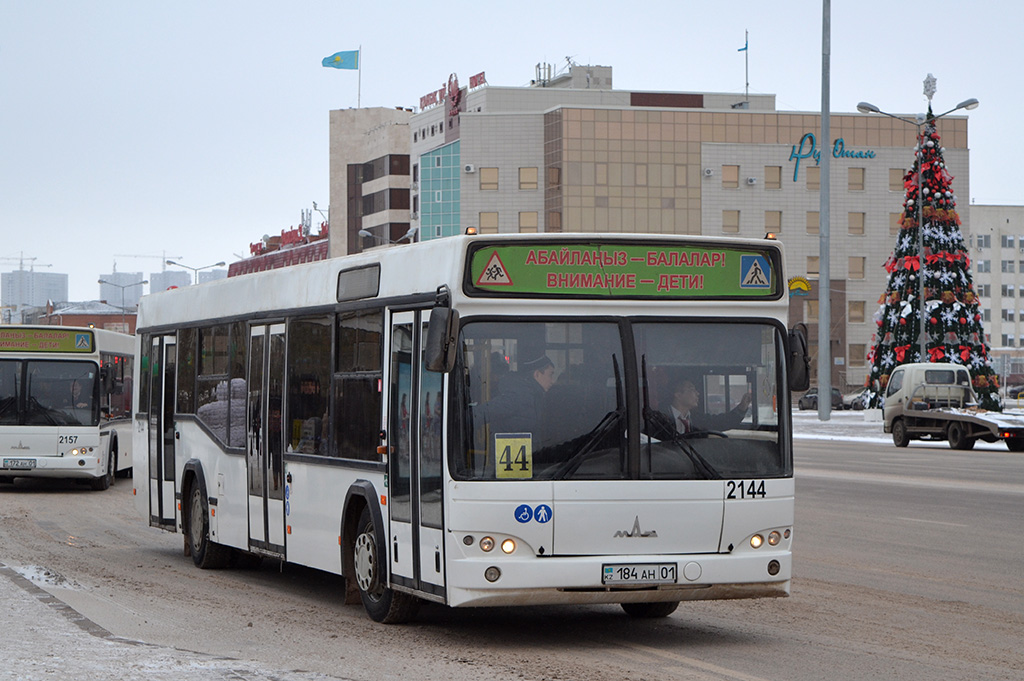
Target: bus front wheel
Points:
(381, 603)
(107, 479)
(650, 610)
(206, 554)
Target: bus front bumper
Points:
(87, 466)
(578, 579)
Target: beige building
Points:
(571, 154)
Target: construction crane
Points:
(21, 262)
(163, 258)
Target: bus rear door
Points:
(265, 439)
(161, 432)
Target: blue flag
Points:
(742, 49)
(343, 60)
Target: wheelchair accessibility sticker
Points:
(542, 513)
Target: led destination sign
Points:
(45, 340)
(638, 270)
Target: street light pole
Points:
(922, 120)
(196, 270)
(124, 322)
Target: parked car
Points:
(809, 400)
(858, 399)
(1015, 392)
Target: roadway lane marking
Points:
(911, 481)
(933, 522)
(691, 662)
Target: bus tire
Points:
(957, 436)
(107, 479)
(1015, 445)
(206, 554)
(650, 610)
(900, 438)
(382, 604)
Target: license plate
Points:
(639, 573)
(19, 463)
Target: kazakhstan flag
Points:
(343, 60)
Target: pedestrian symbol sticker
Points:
(755, 272)
(494, 273)
(542, 513)
(524, 513)
(82, 341)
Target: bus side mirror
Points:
(798, 362)
(439, 353)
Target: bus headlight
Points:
(756, 541)
(774, 538)
(487, 545)
(74, 452)
(508, 546)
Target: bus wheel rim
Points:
(197, 522)
(365, 559)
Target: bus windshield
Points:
(553, 400)
(48, 393)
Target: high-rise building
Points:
(168, 279)
(122, 289)
(27, 288)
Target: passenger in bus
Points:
(686, 418)
(519, 407)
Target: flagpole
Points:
(359, 86)
(746, 66)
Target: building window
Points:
(1006, 241)
(812, 265)
(984, 290)
(811, 311)
(528, 221)
(773, 177)
(554, 177)
(527, 178)
(437, 161)
(488, 223)
(641, 174)
(812, 222)
(856, 223)
(857, 355)
(730, 177)
(814, 178)
(983, 266)
(730, 221)
(554, 222)
(489, 179)
(601, 173)
(1007, 341)
(680, 176)
(984, 240)
(1007, 315)
(1007, 266)
(894, 223)
(773, 221)
(856, 267)
(1007, 291)
(855, 311)
(896, 179)
(986, 315)
(855, 179)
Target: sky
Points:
(190, 129)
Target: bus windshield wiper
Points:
(589, 442)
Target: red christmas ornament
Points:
(903, 322)
(963, 321)
(934, 320)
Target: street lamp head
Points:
(968, 104)
(867, 107)
(220, 264)
(366, 233)
(171, 262)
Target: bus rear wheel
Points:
(650, 610)
(381, 603)
(206, 554)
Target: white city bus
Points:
(483, 421)
(65, 403)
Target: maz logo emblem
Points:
(636, 531)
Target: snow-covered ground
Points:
(43, 638)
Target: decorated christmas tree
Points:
(952, 318)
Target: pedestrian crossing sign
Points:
(755, 272)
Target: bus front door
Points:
(416, 463)
(161, 432)
(265, 439)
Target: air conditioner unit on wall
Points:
(469, 168)
(751, 181)
(708, 172)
